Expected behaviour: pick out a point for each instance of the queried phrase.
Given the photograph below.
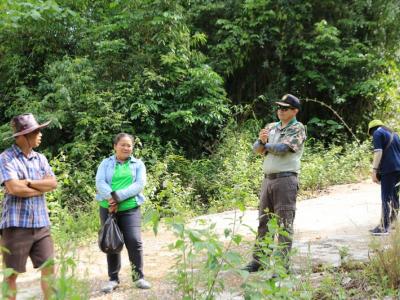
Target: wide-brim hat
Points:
(373, 124)
(289, 100)
(26, 123)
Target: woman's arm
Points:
(136, 187)
(103, 189)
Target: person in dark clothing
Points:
(386, 171)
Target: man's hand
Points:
(258, 146)
(263, 135)
(374, 177)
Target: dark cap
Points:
(289, 100)
(26, 123)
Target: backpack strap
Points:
(390, 142)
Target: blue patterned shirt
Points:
(27, 212)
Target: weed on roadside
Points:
(384, 267)
(67, 284)
(208, 264)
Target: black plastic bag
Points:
(110, 240)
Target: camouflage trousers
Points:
(277, 199)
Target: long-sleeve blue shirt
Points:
(105, 174)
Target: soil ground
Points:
(339, 218)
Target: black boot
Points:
(253, 266)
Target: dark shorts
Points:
(23, 242)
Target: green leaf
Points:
(35, 15)
(233, 258)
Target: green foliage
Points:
(78, 226)
(167, 71)
(352, 280)
(388, 99)
(334, 51)
(328, 130)
(67, 284)
(72, 208)
(231, 176)
(167, 192)
(149, 65)
(129, 66)
(275, 281)
(160, 70)
(5, 272)
(75, 186)
(193, 274)
(203, 257)
(385, 265)
(333, 68)
(97, 69)
(322, 167)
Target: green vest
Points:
(122, 179)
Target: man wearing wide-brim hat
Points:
(25, 226)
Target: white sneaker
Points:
(110, 286)
(143, 284)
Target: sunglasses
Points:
(284, 108)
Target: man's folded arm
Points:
(20, 188)
(47, 184)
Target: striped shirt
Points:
(28, 212)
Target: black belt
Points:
(279, 175)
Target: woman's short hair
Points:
(121, 135)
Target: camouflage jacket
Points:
(293, 135)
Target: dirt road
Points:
(339, 218)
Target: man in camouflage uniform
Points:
(282, 144)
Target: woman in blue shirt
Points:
(120, 180)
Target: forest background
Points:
(194, 81)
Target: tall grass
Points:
(338, 164)
(74, 226)
(385, 260)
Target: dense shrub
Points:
(322, 166)
(231, 176)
